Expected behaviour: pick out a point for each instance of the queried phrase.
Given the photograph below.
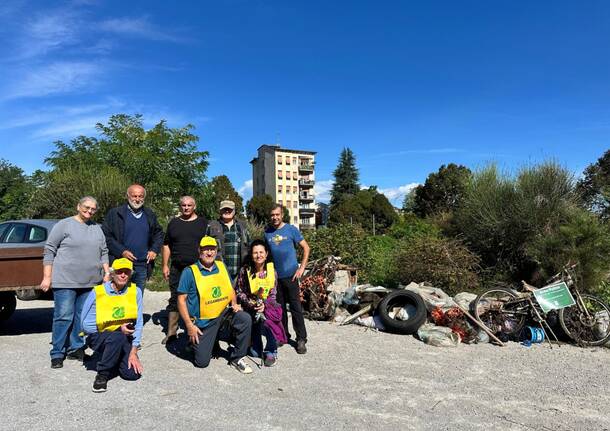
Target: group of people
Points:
(223, 285)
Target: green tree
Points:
(346, 178)
(594, 187)
(15, 191)
(58, 191)
(165, 160)
(442, 190)
(366, 208)
(223, 190)
(259, 207)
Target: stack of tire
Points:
(402, 298)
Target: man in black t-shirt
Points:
(181, 244)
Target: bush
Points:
(444, 263)
(346, 241)
(381, 250)
(583, 239)
(501, 215)
(409, 226)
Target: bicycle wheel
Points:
(501, 310)
(588, 326)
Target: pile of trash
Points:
(329, 291)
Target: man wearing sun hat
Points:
(232, 237)
(112, 320)
(206, 302)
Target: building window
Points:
(295, 189)
(294, 175)
(287, 160)
(279, 174)
(287, 175)
(296, 220)
(280, 202)
(294, 160)
(295, 204)
(279, 189)
(279, 160)
(288, 204)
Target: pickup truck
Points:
(21, 250)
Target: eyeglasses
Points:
(93, 210)
(226, 210)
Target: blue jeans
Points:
(65, 336)
(258, 330)
(139, 275)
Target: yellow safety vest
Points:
(266, 283)
(215, 291)
(111, 311)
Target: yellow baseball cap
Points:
(122, 263)
(208, 241)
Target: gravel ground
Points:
(351, 379)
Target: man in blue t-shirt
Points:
(282, 239)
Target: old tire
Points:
(28, 294)
(8, 303)
(401, 298)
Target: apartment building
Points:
(288, 177)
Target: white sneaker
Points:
(241, 366)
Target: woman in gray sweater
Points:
(75, 260)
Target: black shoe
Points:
(57, 363)
(301, 348)
(100, 383)
(76, 355)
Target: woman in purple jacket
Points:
(256, 288)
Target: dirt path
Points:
(351, 379)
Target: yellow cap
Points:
(208, 241)
(122, 263)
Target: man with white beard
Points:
(133, 232)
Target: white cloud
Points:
(246, 190)
(55, 78)
(322, 190)
(396, 195)
(137, 27)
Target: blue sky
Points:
(408, 86)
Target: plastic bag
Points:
(438, 336)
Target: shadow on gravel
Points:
(160, 319)
(28, 321)
(181, 349)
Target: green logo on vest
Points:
(118, 312)
(216, 292)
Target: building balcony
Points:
(306, 183)
(307, 211)
(306, 167)
(306, 197)
(307, 226)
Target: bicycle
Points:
(583, 317)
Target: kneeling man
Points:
(204, 297)
(112, 320)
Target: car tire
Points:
(8, 303)
(401, 298)
(28, 294)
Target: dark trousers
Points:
(259, 329)
(140, 273)
(175, 271)
(114, 348)
(231, 327)
(288, 293)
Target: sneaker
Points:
(76, 355)
(100, 383)
(241, 366)
(269, 360)
(57, 363)
(301, 348)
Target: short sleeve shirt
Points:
(188, 287)
(282, 243)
